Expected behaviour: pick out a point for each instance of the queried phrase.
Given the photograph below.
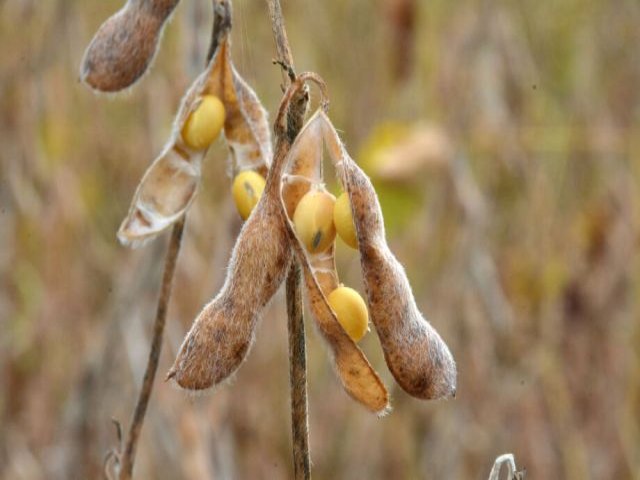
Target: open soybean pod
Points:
(223, 332)
(171, 182)
(246, 127)
(124, 46)
(357, 375)
(302, 175)
(418, 358)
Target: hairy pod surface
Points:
(358, 377)
(418, 358)
(223, 332)
(125, 45)
(170, 184)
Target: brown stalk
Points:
(295, 317)
(297, 373)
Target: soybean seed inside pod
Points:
(343, 220)
(246, 190)
(313, 221)
(351, 311)
(204, 124)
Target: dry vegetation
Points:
(519, 238)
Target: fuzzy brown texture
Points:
(170, 184)
(125, 44)
(223, 332)
(417, 356)
(354, 370)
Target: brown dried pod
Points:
(171, 182)
(305, 158)
(418, 358)
(125, 45)
(223, 332)
(358, 377)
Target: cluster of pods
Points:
(289, 216)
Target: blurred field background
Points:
(504, 139)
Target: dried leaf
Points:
(124, 46)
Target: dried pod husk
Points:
(306, 160)
(323, 266)
(125, 45)
(246, 127)
(171, 182)
(418, 358)
(223, 332)
(357, 375)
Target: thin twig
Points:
(280, 34)
(128, 455)
(297, 342)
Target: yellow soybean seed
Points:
(204, 124)
(351, 311)
(343, 221)
(313, 221)
(246, 190)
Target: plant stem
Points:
(297, 374)
(129, 453)
(279, 33)
(295, 317)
